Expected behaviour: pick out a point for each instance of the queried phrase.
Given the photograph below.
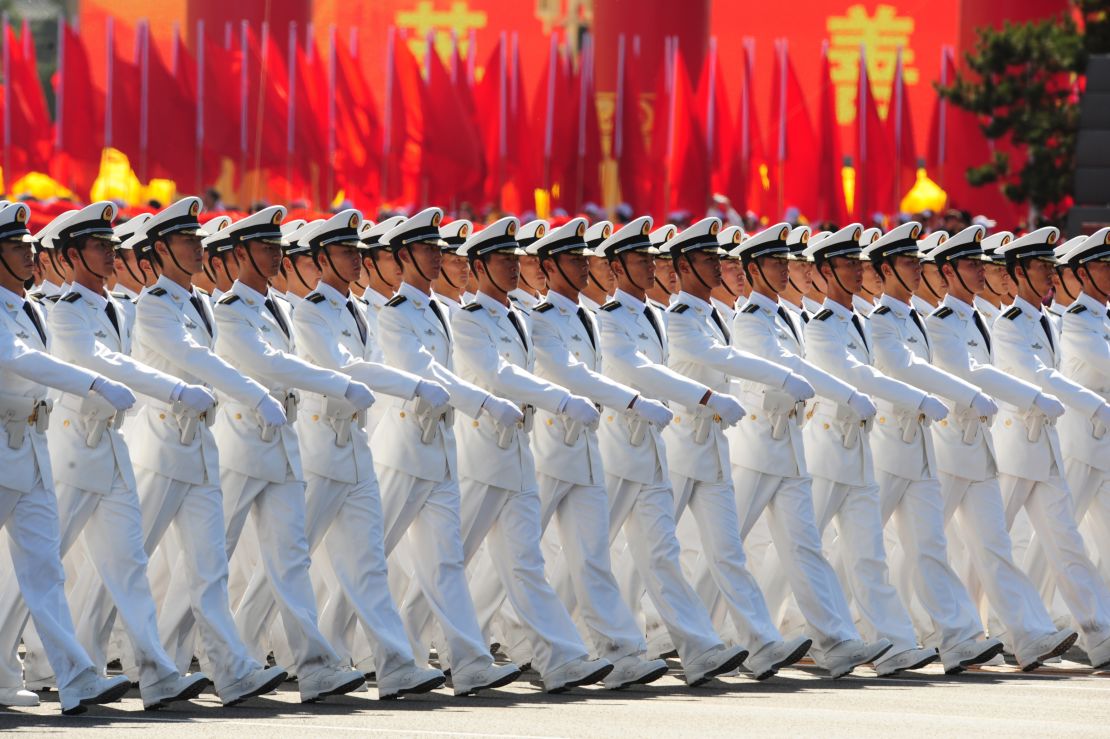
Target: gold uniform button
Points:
(550, 422)
(402, 414)
(474, 424)
(943, 422)
(577, 354)
(678, 419)
(882, 419)
(315, 418)
(162, 416)
(238, 416)
(826, 426)
(610, 419)
(717, 419)
(753, 416)
(65, 423)
(1009, 422)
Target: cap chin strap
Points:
(836, 276)
(690, 261)
(173, 257)
(377, 270)
(532, 287)
(1023, 263)
(1063, 283)
(660, 284)
(250, 255)
(81, 256)
(790, 281)
(898, 276)
(987, 282)
(485, 260)
(138, 280)
(744, 265)
(929, 286)
(559, 267)
(1090, 277)
(415, 264)
(327, 256)
(8, 269)
(956, 271)
(635, 284)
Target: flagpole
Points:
(782, 51)
(861, 153)
(330, 181)
(942, 134)
(7, 102)
(672, 114)
(710, 106)
(502, 144)
(387, 124)
(110, 78)
(549, 113)
(745, 121)
(291, 110)
(244, 99)
(200, 106)
(584, 64)
(144, 97)
(429, 43)
(899, 91)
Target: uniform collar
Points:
(1092, 304)
(695, 303)
(48, 288)
(416, 295)
(333, 295)
(562, 302)
(491, 305)
(374, 298)
(125, 290)
(763, 302)
(10, 300)
(97, 299)
(174, 290)
(624, 299)
(837, 309)
(897, 306)
(450, 302)
(249, 295)
(784, 303)
(961, 308)
(1027, 308)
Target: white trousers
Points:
(30, 521)
(722, 560)
(1049, 508)
(854, 546)
(786, 504)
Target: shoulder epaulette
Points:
(471, 307)
(315, 298)
(158, 291)
(200, 290)
(36, 295)
(823, 315)
(750, 308)
(53, 298)
(611, 305)
(943, 312)
(543, 307)
(121, 296)
(882, 310)
(1012, 313)
(227, 299)
(1077, 308)
(71, 297)
(396, 300)
(678, 308)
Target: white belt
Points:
(17, 412)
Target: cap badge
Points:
(581, 229)
(353, 222)
(277, 217)
(464, 230)
(194, 208)
(510, 229)
(979, 235)
(436, 217)
(109, 211)
(915, 231)
(714, 228)
(540, 230)
(21, 214)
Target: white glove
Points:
(727, 407)
(436, 395)
(502, 411)
(861, 405)
(983, 405)
(196, 398)
(271, 411)
(118, 396)
(798, 387)
(1102, 415)
(933, 409)
(1048, 405)
(580, 410)
(652, 411)
(359, 395)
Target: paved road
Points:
(1064, 700)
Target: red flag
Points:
(267, 103)
(358, 132)
(552, 120)
(678, 144)
(874, 186)
(171, 112)
(583, 174)
(630, 146)
(899, 124)
(714, 117)
(748, 161)
(453, 163)
(219, 101)
(26, 124)
(831, 205)
(793, 145)
(123, 85)
(79, 119)
(404, 125)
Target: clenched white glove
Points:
(933, 409)
(359, 395)
(196, 398)
(726, 406)
(1102, 415)
(798, 387)
(502, 411)
(1048, 405)
(861, 405)
(119, 396)
(271, 411)
(983, 405)
(433, 392)
(652, 411)
(580, 410)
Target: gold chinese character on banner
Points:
(425, 18)
(881, 34)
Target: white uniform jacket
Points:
(334, 439)
(837, 444)
(1027, 446)
(1085, 345)
(769, 439)
(490, 353)
(568, 353)
(414, 339)
(636, 352)
(173, 337)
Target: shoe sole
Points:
(915, 666)
(866, 660)
(989, 654)
(424, 687)
(498, 683)
(1056, 651)
(108, 696)
(265, 688)
(595, 676)
(343, 689)
(728, 666)
(790, 659)
(643, 680)
(190, 692)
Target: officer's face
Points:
(1039, 273)
(1097, 280)
(504, 269)
(267, 257)
(776, 271)
(382, 261)
(972, 272)
(642, 268)
(801, 274)
(576, 269)
(346, 261)
(932, 273)
(429, 257)
(17, 255)
(732, 276)
(707, 264)
(456, 269)
(603, 273)
(100, 256)
(997, 278)
(303, 265)
(664, 272)
(909, 269)
(126, 258)
(850, 272)
(531, 273)
(187, 250)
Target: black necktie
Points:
(515, 320)
(720, 324)
(272, 307)
(359, 320)
(982, 326)
(920, 326)
(586, 324)
(805, 316)
(438, 310)
(111, 311)
(859, 328)
(654, 321)
(1047, 331)
(199, 307)
(786, 319)
(35, 320)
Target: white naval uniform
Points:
(179, 482)
(968, 471)
(838, 454)
(1031, 467)
(420, 490)
(95, 489)
(862, 305)
(989, 312)
(344, 507)
(769, 472)
(906, 471)
(28, 509)
(701, 473)
(500, 500)
(633, 340)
